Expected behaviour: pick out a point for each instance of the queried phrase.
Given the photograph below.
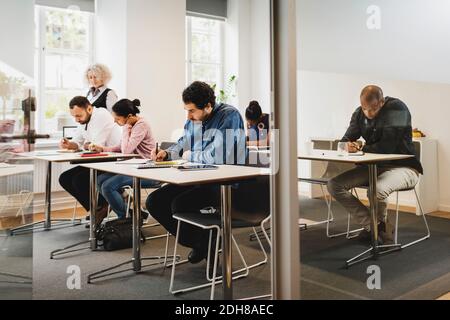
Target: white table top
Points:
(329, 155)
(54, 156)
(13, 169)
(224, 173)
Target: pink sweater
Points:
(136, 140)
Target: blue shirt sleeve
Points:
(226, 144)
(183, 144)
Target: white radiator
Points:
(34, 181)
(40, 175)
(15, 184)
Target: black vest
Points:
(101, 101)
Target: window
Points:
(204, 61)
(64, 51)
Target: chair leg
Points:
(212, 281)
(331, 218)
(262, 248)
(216, 253)
(263, 229)
(397, 207)
(172, 275)
(166, 251)
(427, 236)
(242, 272)
(74, 211)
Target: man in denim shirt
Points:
(213, 134)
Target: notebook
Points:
(161, 164)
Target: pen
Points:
(156, 151)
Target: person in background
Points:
(137, 138)
(257, 126)
(96, 126)
(214, 134)
(99, 95)
(385, 125)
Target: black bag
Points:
(116, 234)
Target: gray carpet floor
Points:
(419, 272)
(404, 273)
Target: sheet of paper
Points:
(133, 161)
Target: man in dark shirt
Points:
(385, 125)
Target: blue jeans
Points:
(110, 186)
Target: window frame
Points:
(41, 51)
(189, 59)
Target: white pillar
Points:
(285, 230)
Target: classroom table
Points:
(225, 175)
(371, 160)
(54, 156)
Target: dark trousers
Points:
(170, 199)
(76, 181)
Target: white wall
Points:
(150, 35)
(17, 35)
(408, 57)
(111, 41)
(327, 100)
(248, 51)
(412, 42)
(260, 53)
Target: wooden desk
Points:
(224, 175)
(371, 160)
(50, 157)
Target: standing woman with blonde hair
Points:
(99, 95)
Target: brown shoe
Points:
(100, 214)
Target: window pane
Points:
(206, 73)
(205, 48)
(52, 71)
(56, 109)
(205, 25)
(73, 67)
(67, 30)
(206, 58)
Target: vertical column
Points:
(137, 224)
(284, 185)
(226, 242)
(373, 207)
(93, 207)
(48, 195)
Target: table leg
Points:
(136, 259)
(48, 195)
(136, 224)
(376, 250)
(373, 208)
(45, 224)
(93, 208)
(226, 242)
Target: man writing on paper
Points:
(385, 125)
(97, 127)
(214, 134)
